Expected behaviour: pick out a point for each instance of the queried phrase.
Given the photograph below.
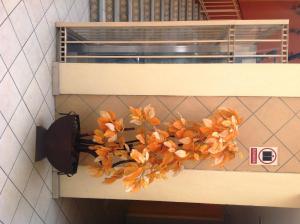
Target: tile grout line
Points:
(274, 134)
(7, 123)
(23, 196)
(8, 14)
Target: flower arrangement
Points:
(155, 151)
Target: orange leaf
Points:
(168, 158)
(188, 133)
(207, 122)
(122, 141)
(185, 141)
(179, 133)
(141, 138)
(154, 146)
(149, 112)
(137, 156)
(112, 115)
(136, 112)
(98, 139)
(181, 153)
(170, 144)
(103, 151)
(134, 175)
(95, 171)
(178, 124)
(117, 175)
(109, 133)
(113, 138)
(154, 121)
(101, 122)
(119, 125)
(110, 180)
(105, 114)
(130, 169)
(219, 160)
(110, 126)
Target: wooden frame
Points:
(171, 23)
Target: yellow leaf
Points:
(133, 175)
(178, 124)
(215, 134)
(196, 156)
(146, 154)
(129, 169)
(136, 122)
(105, 114)
(168, 158)
(119, 125)
(110, 180)
(110, 126)
(170, 144)
(185, 141)
(149, 111)
(141, 138)
(112, 115)
(109, 133)
(113, 138)
(207, 122)
(98, 132)
(226, 123)
(98, 139)
(95, 171)
(137, 156)
(181, 153)
(121, 153)
(219, 160)
(171, 149)
(127, 147)
(224, 133)
(156, 135)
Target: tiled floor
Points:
(27, 50)
(268, 121)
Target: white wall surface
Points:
(27, 51)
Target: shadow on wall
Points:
(94, 211)
(262, 215)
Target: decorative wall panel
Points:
(268, 121)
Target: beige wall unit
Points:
(178, 79)
(216, 187)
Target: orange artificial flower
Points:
(141, 115)
(155, 152)
(110, 125)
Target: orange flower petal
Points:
(185, 141)
(134, 175)
(168, 158)
(141, 138)
(137, 156)
(154, 121)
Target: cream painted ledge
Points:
(195, 186)
(178, 79)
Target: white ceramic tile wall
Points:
(27, 50)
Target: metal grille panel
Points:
(232, 41)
